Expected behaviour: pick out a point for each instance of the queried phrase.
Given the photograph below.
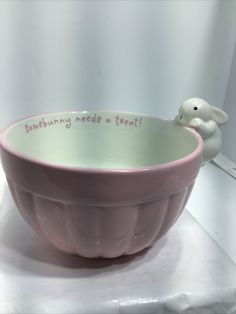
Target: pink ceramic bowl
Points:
(100, 184)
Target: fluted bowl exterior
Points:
(139, 208)
(99, 231)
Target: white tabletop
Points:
(186, 272)
(213, 204)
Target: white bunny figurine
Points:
(206, 120)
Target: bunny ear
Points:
(219, 116)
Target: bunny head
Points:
(199, 108)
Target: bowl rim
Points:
(174, 163)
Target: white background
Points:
(140, 56)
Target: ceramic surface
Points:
(206, 120)
(100, 184)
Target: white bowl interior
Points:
(100, 140)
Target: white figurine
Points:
(206, 120)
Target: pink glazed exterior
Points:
(101, 213)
